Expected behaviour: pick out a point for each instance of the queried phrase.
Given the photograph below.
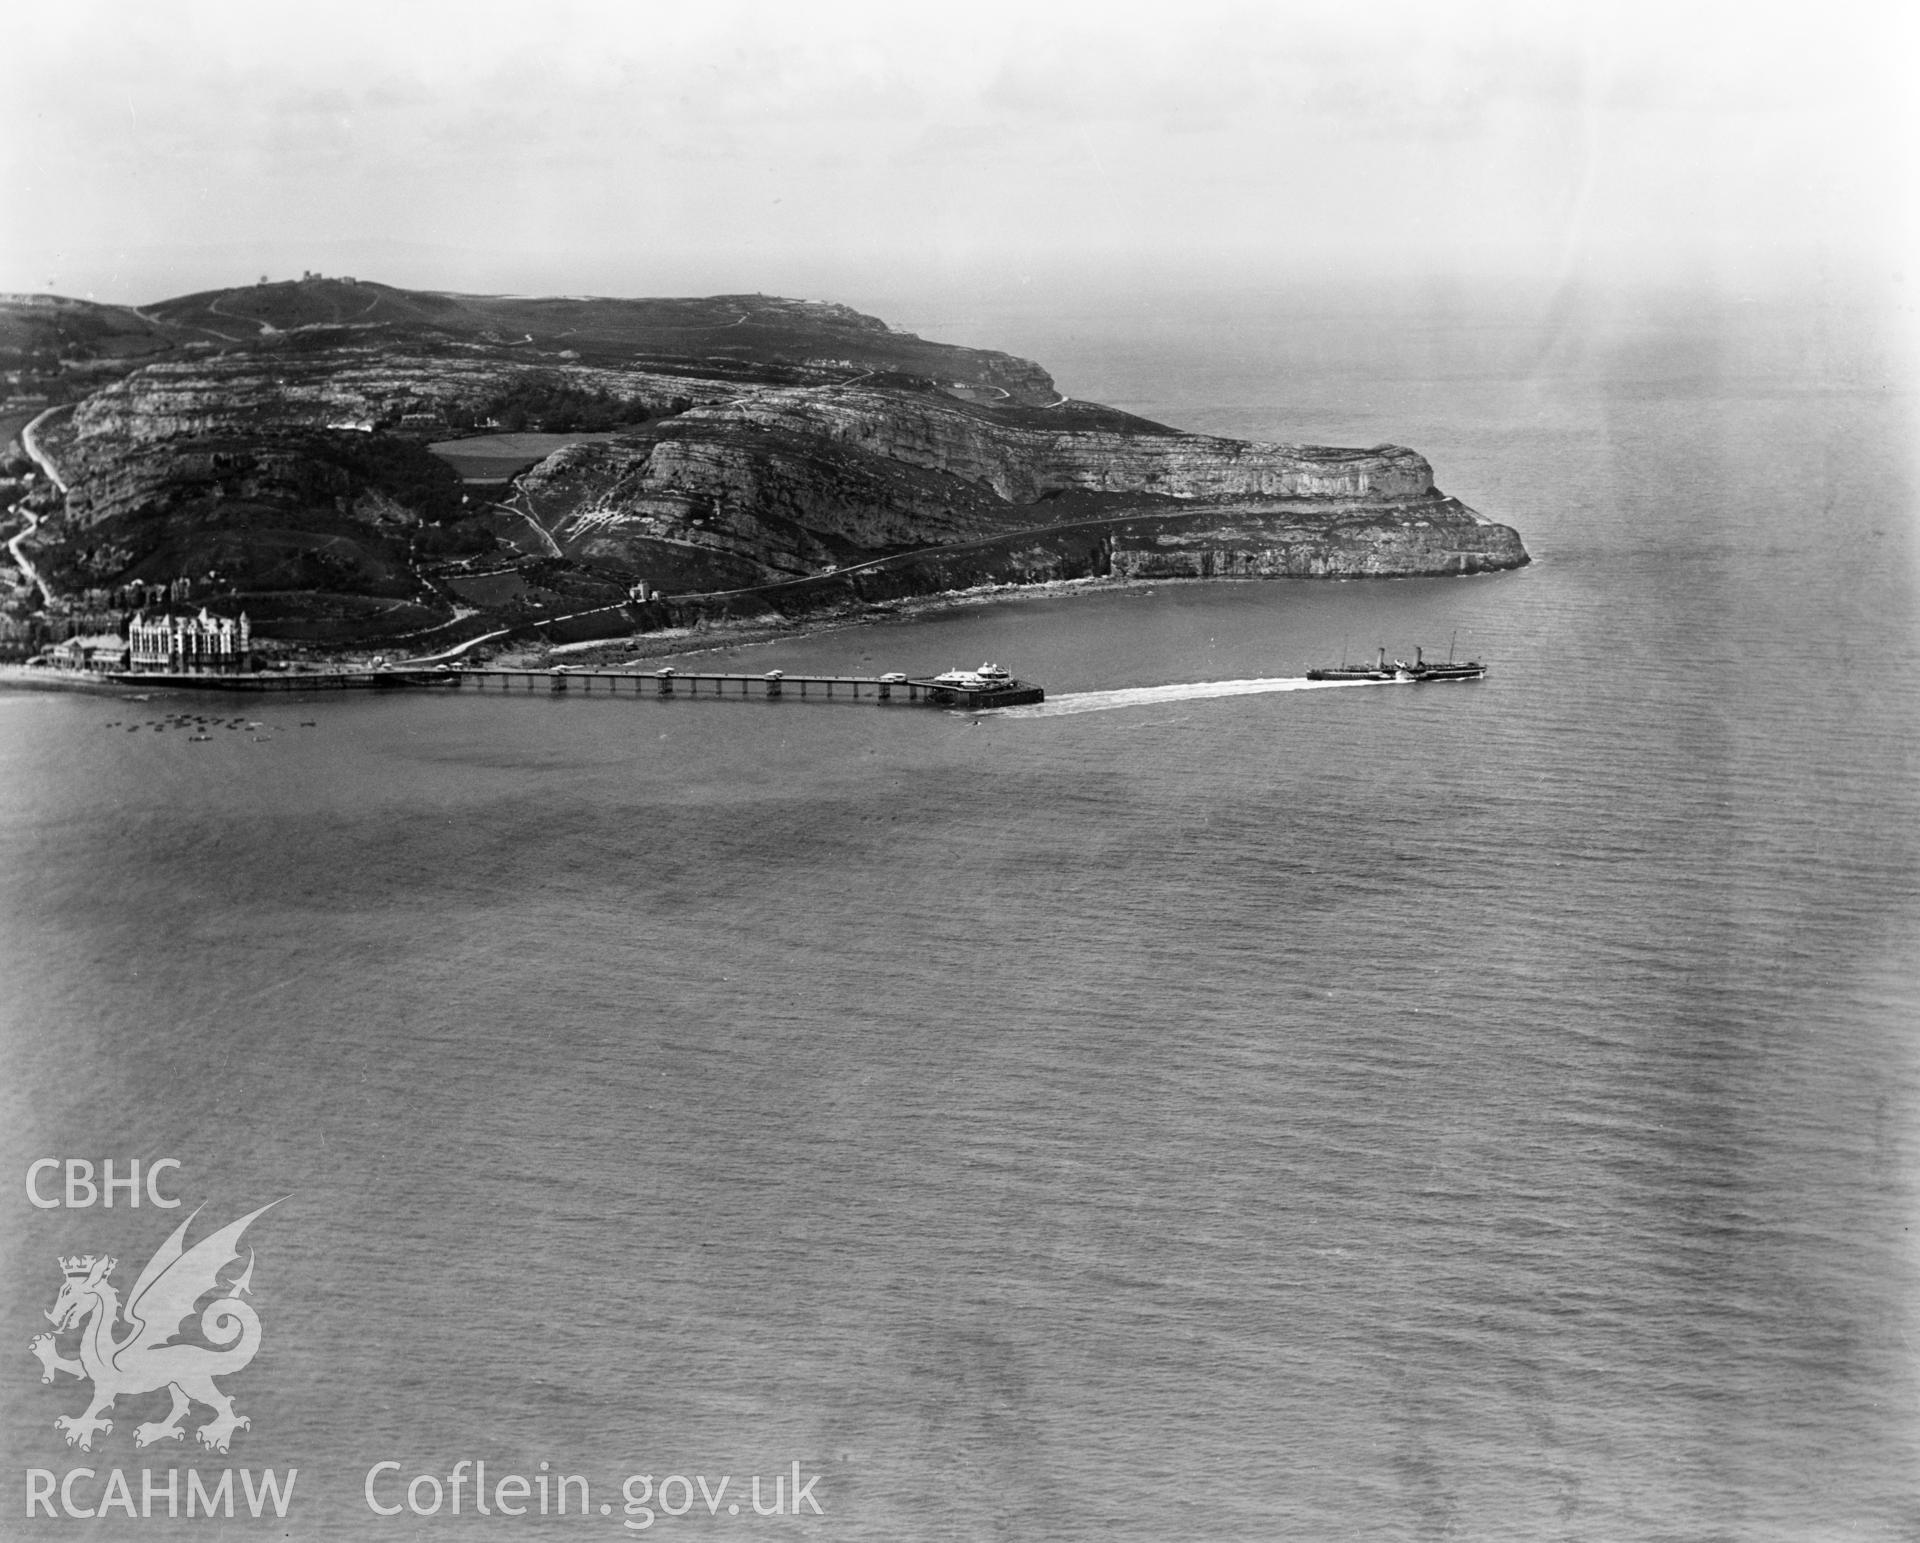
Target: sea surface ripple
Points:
(1482, 1111)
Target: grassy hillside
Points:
(743, 329)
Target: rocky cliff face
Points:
(412, 395)
(789, 504)
(796, 480)
(1038, 453)
(301, 463)
(1352, 539)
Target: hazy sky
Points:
(157, 147)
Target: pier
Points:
(667, 684)
(677, 683)
(773, 685)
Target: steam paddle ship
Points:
(1400, 670)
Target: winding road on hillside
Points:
(267, 328)
(29, 441)
(17, 546)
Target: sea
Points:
(1200, 1107)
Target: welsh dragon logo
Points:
(141, 1360)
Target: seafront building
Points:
(189, 644)
(99, 651)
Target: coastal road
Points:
(493, 637)
(1024, 533)
(879, 562)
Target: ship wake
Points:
(1186, 691)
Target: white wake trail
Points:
(1186, 691)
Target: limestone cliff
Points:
(417, 396)
(806, 448)
(797, 480)
(1025, 457)
(1298, 539)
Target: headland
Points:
(361, 468)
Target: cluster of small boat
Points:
(1401, 669)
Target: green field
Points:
(496, 457)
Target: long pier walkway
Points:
(666, 683)
(672, 683)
